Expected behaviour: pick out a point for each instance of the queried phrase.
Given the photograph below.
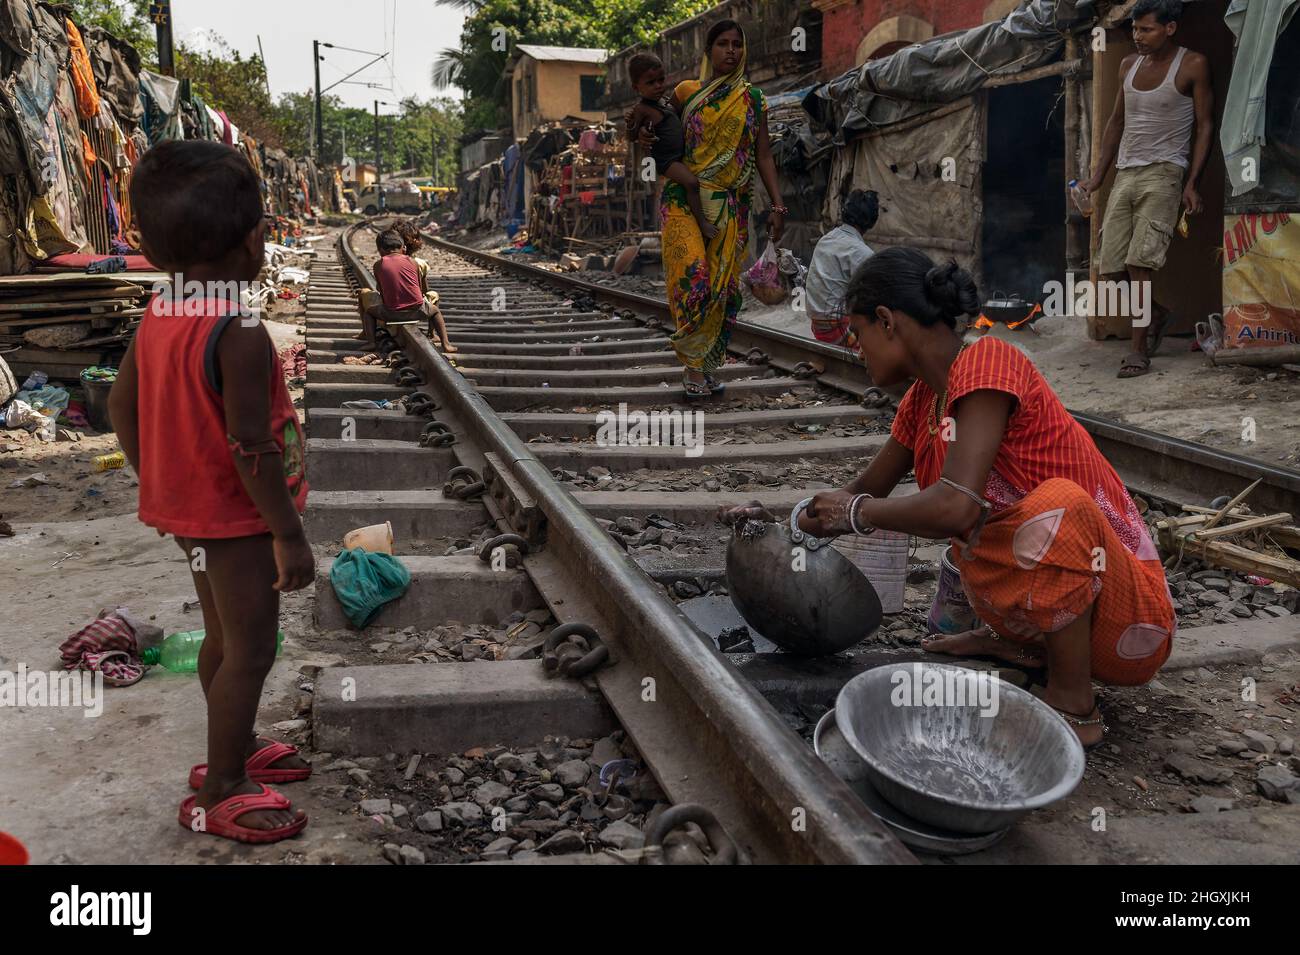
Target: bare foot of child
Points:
(708, 230)
(449, 347)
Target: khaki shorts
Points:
(1140, 217)
(373, 305)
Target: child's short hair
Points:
(410, 236)
(641, 64)
(194, 201)
(390, 240)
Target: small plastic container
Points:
(97, 390)
(376, 538)
(12, 852)
(951, 611)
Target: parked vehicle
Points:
(398, 197)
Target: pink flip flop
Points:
(259, 767)
(221, 819)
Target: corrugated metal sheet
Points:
(563, 54)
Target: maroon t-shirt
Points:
(399, 281)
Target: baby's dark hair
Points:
(194, 201)
(907, 280)
(641, 64)
(390, 240)
(861, 209)
(1166, 11)
(410, 234)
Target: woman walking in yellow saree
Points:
(726, 138)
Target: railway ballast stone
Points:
(573, 773)
(463, 813)
(1278, 784)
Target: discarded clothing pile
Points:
(294, 361)
(111, 644)
(77, 111)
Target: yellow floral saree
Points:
(721, 120)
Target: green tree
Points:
(490, 32)
(125, 19)
(478, 65)
(638, 22)
(227, 80)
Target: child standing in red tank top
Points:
(202, 412)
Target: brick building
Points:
(854, 31)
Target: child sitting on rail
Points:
(401, 293)
(414, 241)
(646, 71)
(202, 412)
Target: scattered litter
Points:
(109, 644)
(364, 582)
(32, 480)
(764, 277)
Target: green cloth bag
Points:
(364, 581)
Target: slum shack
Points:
(582, 193)
(77, 111)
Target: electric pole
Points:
(433, 141)
(320, 125)
(161, 13)
(379, 161)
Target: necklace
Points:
(935, 423)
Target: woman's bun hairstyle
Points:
(951, 290)
(907, 280)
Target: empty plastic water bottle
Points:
(179, 653)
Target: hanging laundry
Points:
(83, 76)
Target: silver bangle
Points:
(853, 514)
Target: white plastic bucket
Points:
(882, 558)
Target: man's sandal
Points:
(260, 766)
(1134, 365)
(222, 819)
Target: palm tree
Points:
(449, 67)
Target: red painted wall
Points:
(844, 27)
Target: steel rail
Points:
(1155, 465)
(708, 735)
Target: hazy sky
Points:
(287, 27)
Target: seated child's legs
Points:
(678, 173)
(436, 323)
(240, 604)
(370, 321)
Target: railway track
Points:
(610, 537)
(705, 732)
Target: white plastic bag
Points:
(764, 277)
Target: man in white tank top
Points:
(1165, 97)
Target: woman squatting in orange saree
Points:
(1053, 554)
